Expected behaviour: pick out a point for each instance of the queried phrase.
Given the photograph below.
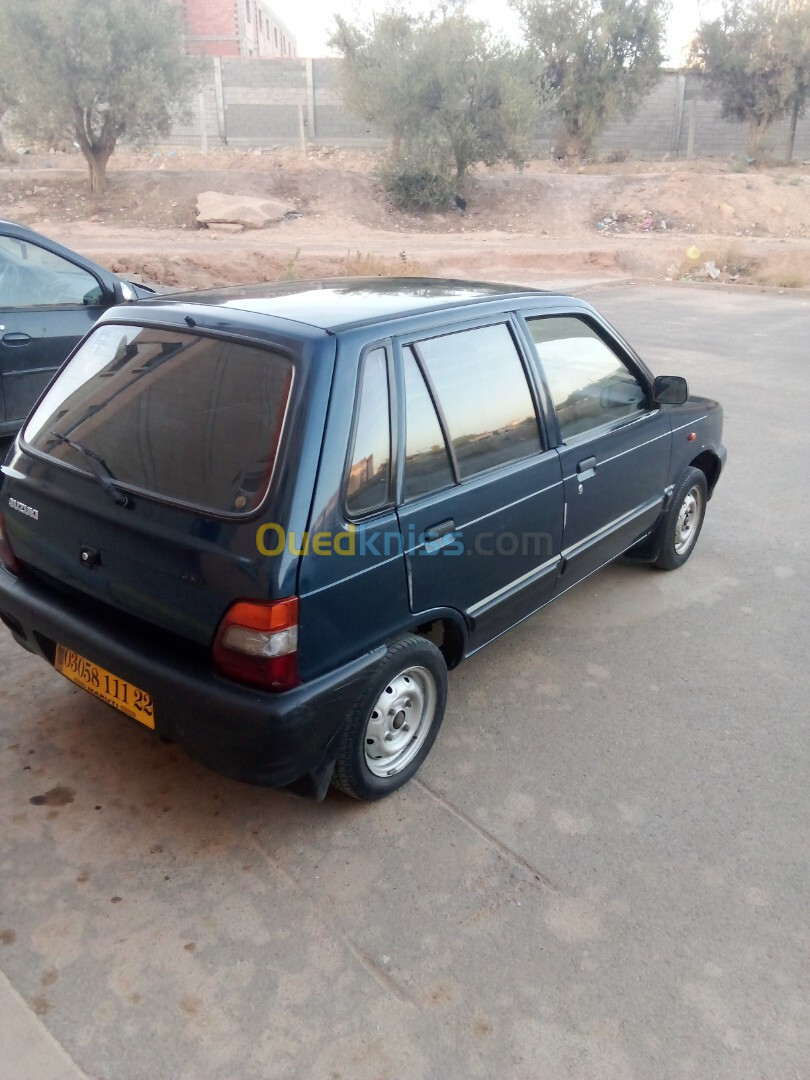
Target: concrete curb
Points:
(28, 1051)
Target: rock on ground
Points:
(246, 210)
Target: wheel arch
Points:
(448, 632)
(710, 465)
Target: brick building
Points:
(236, 28)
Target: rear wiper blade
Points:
(101, 470)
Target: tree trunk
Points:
(396, 146)
(98, 171)
(757, 130)
(96, 158)
(794, 119)
(575, 148)
(577, 144)
(4, 154)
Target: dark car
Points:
(265, 521)
(49, 299)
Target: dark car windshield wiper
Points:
(101, 470)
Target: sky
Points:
(310, 20)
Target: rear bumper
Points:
(261, 738)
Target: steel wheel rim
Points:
(400, 721)
(688, 523)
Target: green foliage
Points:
(377, 73)
(415, 187)
(446, 92)
(593, 59)
(756, 59)
(94, 72)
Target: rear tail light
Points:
(7, 557)
(257, 643)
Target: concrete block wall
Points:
(678, 118)
(262, 99)
(653, 129)
(202, 118)
(333, 122)
(259, 103)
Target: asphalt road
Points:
(602, 871)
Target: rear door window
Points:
(191, 419)
(427, 462)
(482, 390)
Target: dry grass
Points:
(787, 278)
(788, 270)
(366, 264)
(352, 264)
(731, 260)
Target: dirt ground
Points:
(687, 220)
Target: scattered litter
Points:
(646, 221)
(709, 271)
(292, 215)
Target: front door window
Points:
(31, 277)
(590, 385)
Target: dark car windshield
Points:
(192, 419)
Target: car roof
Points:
(335, 304)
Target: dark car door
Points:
(615, 444)
(47, 303)
(481, 497)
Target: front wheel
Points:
(683, 520)
(394, 724)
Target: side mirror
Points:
(125, 294)
(670, 390)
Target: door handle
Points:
(436, 532)
(16, 339)
(587, 465)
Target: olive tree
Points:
(447, 93)
(94, 72)
(377, 71)
(756, 60)
(594, 59)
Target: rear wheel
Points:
(683, 520)
(391, 730)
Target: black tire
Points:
(375, 757)
(683, 520)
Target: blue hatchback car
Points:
(265, 521)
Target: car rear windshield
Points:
(191, 419)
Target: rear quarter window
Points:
(190, 419)
(368, 483)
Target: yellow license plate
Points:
(103, 684)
